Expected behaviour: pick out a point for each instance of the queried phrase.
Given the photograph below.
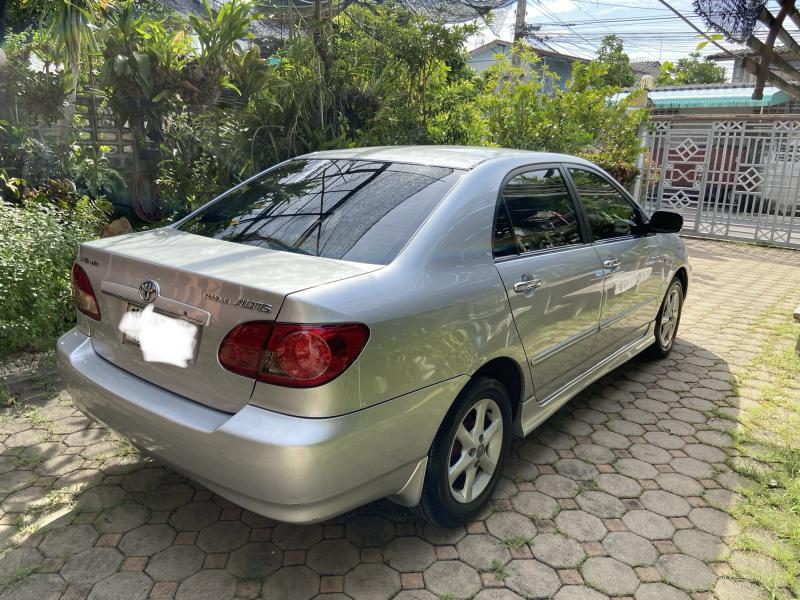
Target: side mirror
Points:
(664, 221)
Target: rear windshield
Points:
(356, 210)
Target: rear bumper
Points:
(288, 468)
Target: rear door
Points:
(551, 273)
(634, 265)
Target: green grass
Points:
(768, 440)
(499, 570)
(7, 399)
(516, 542)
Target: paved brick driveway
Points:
(623, 493)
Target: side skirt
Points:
(533, 413)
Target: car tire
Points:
(668, 320)
(470, 453)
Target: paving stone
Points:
(676, 427)
(131, 586)
(637, 415)
(715, 438)
(580, 526)
(705, 453)
(36, 587)
(692, 467)
(195, 516)
(594, 453)
(536, 454)
(68, 540)
(404, 595)
(721, 498)
(122, 518)
(379, 582)
(609, 439)
(700, 544)
(443, 536)
(99, 498)
(679, 484)
(575, 469)
(590, 416)
(752, 565)
(80, 479)
(714, 521)
(685, 572)
(176, 563)
(19, 559)
(226, 536)
(659, 591)
(507, 525)
(664, 503)
(618, 485)
(635, 468)
(556, 486)
(610, 576)
(519, 469)
(145, 480)
(214, 584)
(600, 504)
(412, 554)
(556, 440)
(15, 480)
(25, 499)
(91, 565)
(650, 454)
(649, 525)
(535, 504)
(531, 579)
(479, 551)
(369, 531)
(727, 589)
(490, 594)
(146, 540)
(170, 496)
(579, 592)
(664, 440)
(630, 548)
(626, 428)
(557, 551)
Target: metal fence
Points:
(736, 179)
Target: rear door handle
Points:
(612, 262)
(527, 285)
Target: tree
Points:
(611, 55)
(691, 70)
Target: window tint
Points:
(355, 210)
(609, 213)
(541, 209)
(504, 242)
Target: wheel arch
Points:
(508, 372)
(683, 276)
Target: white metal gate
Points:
(735, 179)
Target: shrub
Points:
(38, 243)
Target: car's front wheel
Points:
(467, 456)
(668, 319)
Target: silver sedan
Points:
(379, 322)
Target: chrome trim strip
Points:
(563, 345)
(162, 305)
(611, 320)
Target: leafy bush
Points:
(38, 243)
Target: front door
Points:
(552, 276)
(633, 263)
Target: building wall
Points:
(561, 67)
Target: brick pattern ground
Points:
(625, 493)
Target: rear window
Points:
(356, 210)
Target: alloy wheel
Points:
(475, 451)
(669, 317)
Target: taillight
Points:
(292, 354)
(82, 292)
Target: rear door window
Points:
(357, 210)
(541, 209)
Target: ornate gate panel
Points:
(734, 179)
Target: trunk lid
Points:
(204, 286)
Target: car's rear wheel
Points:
(467, 456)
(668, 320)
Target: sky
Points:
(648, 29)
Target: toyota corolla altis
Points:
(359, 324)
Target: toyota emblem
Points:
(148, 291)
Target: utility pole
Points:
(519, 30)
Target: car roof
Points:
(456, 157)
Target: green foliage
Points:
(580, 119)
(611, 54)
(38, 242)
(92, 172)
(691, 70)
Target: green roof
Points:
(715, 97)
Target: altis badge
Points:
(241, 302)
